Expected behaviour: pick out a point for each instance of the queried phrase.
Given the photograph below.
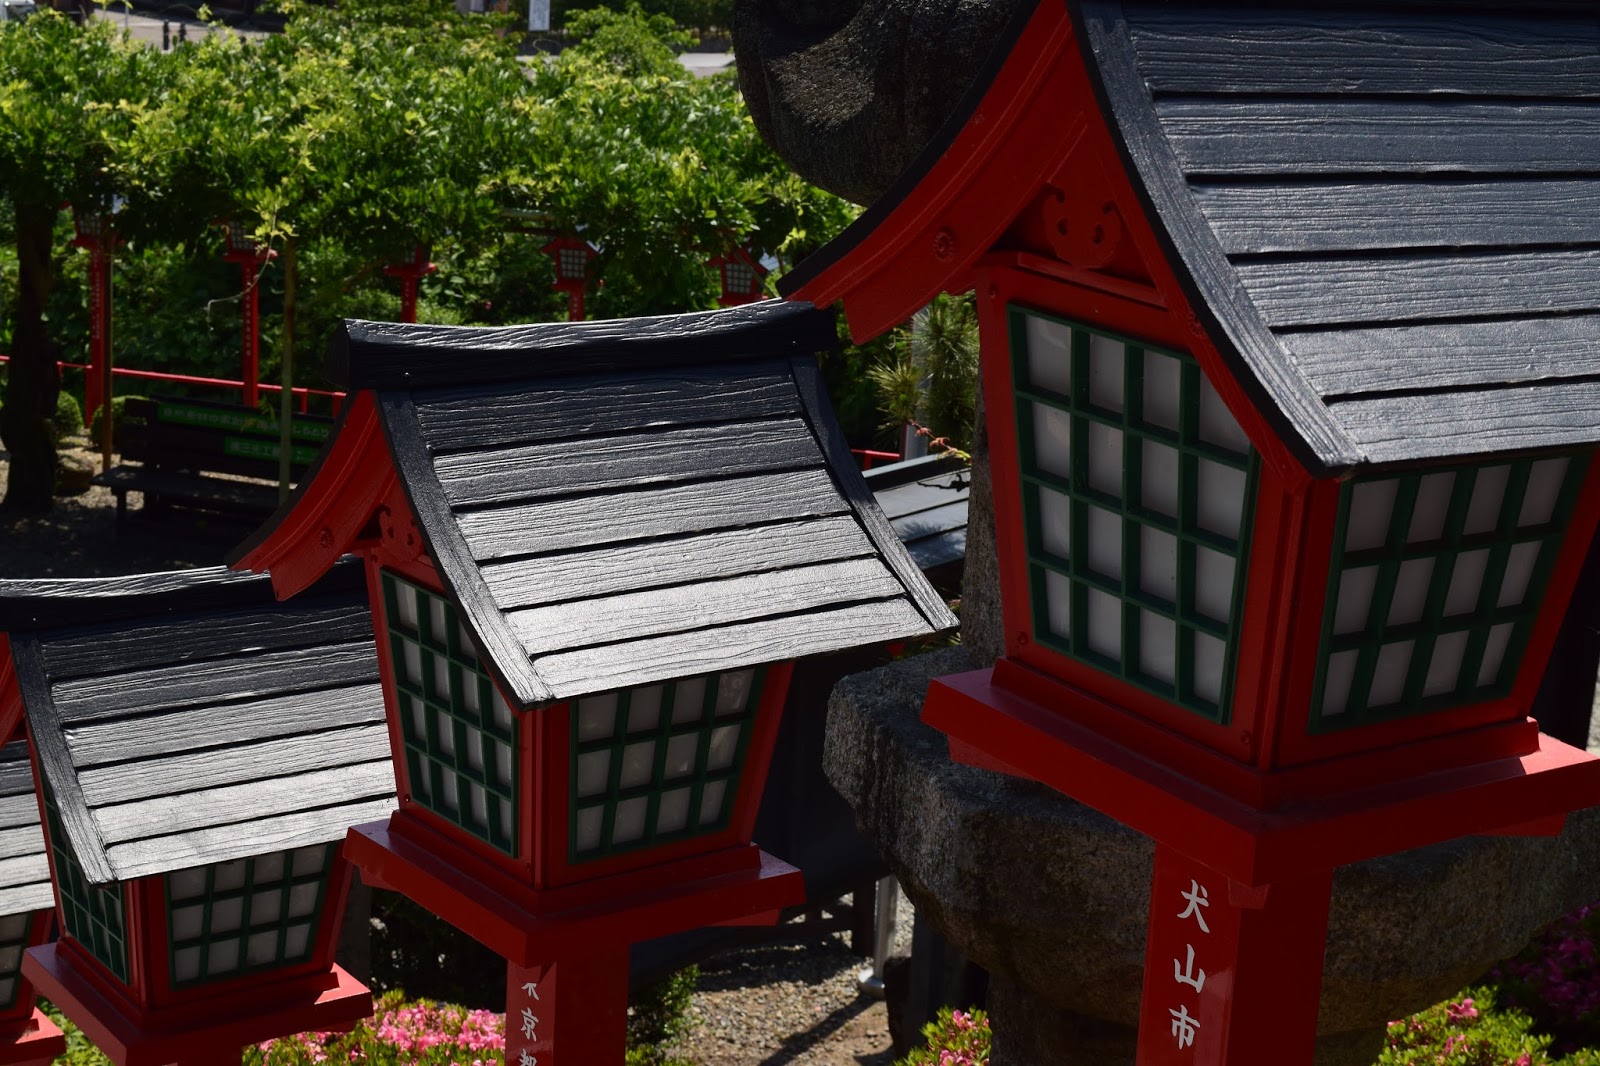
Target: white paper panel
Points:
(1494, 654)
(1213, 583)
(1217, 424)
(1354, 606)
(1105, 459)
(1158, 651)
(1058, 603)
(1336, 684)
(1052, 440)
(1158, 563)
(711, 800)
(1431, 509)
(1411, 592)
(1105, 624)
(1106, 363)
(597, 716)
(1444, 669)
(629, 823)
(1543, 492)
(1104, 530)
(1210, 656)
(1519, 571)
(1488, 494)
(1466, 582)
(1158, 477)
(1371, 510)
(1389, 679)
(1162, 390)
(1055, 523)
(1049, 355)
(1219, 502)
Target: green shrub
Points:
(657, 1017)
(955, 1038)
(119, 406)
(68, 419)
(1468, 1031)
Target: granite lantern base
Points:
(1052, 897)
(192, 1034)
(566, 950)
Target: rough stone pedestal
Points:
(1052, 896)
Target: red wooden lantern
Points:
(572, 256)
(1285, 531)
(200, 751)
(411, 272)
(27, 1036)
(593, 554)
(251, 257)
(742, 276)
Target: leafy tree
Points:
(69, 99)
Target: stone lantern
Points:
(593, 554)
(1288, 500)
(200, 751)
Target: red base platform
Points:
(39, 1043)
(328, 1001)
(520, 923)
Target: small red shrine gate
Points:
(1288, 501)
(593, 553)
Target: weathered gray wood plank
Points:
(192, 771)
(252, 800)
(228, 727)
(533, 471)
(1438, 425)
(528, 529)
(22, 899)
(106, 650)
(636, 615)
(1392, 289)
(1343, 361)
(654, 564)
(23, 869)
(1189, 48)
(1283, 137)
(24, 840)
(769, 640)
(1355, 216)
(19, 811)
(16, 771)
(526, 413)
(250, 676)
(157, 855)
(48, 602)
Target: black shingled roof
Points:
(1391, 211)
(188, 718)
(614, 503)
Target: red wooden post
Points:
(1231, 974)
(252, 258)
(95, 233)
(571, 1013)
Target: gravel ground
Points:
(764, 1006)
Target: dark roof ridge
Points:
(388, 355)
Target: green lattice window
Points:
(1136, 489)
(251, 914)
(92, 915)
(659, 763)
(461, 737)
(13, 942)
(1435, 586)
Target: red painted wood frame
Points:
(18, 1018)
(39, 1043)
(12, 722)
(544, 766)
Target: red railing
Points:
(868, 456)
(301, 395)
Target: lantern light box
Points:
(1287, 357)
(594, 552)
(27, 1036)
(201, 750)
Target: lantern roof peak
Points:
(1382, 216)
